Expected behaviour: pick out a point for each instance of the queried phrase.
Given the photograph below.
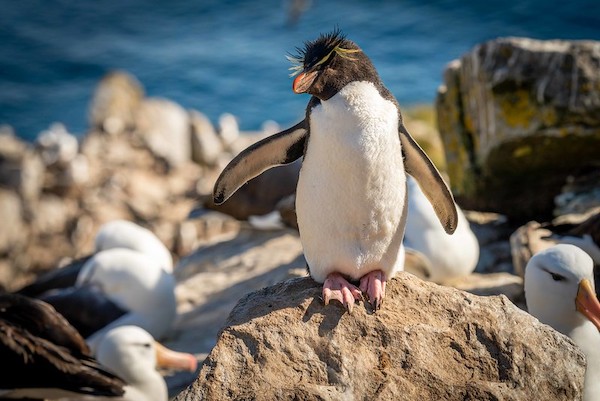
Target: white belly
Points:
(587, 338)
(352, 186)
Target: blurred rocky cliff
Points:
(143, 159)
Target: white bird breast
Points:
(352, 186)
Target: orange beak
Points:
(169, 359)
(303, 81)
(587, 303)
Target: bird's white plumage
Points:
(136, 282)
(450, 255)
(128, 351)
(553, 303)
(352, 187)
(126, 234)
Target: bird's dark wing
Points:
(39, 349)
(59, 278)
(275, 150)
(99, 310)
(41, 320)
(418, 164)
(31, 362)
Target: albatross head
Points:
(133, 354)
(559, 288)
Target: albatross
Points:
(132, 353)
(446, 256)
(559, 291)
(128, 280)
(135, 283)
(111, 235)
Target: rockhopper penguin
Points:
(351, 193)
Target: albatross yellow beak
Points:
(587, 303)
(169, 359)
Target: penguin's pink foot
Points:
(337, 287)
(373, 284)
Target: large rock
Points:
(164, 127)
(428, 342)
(115, 102)
(517, 116)
(206, 143)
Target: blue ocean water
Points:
(229, 55)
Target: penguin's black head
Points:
(327, 64)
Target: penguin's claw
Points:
(337, 287)
(373, 284)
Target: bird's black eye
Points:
(555, 277)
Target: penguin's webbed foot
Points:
(373, 284)
(337, 287)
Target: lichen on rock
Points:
(517, 116)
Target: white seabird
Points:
(132, 354)
(126, 234)
(113, 234)
(449, 255)
(127, 280)
(135, 282)
(559, 291)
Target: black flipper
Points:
(418, 164)
(275, 150)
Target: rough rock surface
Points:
(428, 342)
(517, 116)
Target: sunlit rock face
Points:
(517, 116)
(427, 342)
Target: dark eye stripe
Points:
(145, 345)
(555, 277)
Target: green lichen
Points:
(549, 116)
(522, 151)
(516, 109)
